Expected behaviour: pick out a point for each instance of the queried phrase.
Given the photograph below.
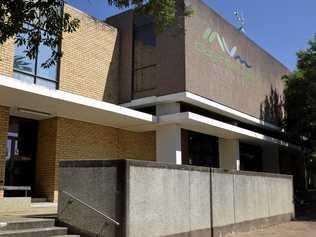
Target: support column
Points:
(4, 126)
(167, 108)
(168, 138)
(229, 157)
(168, 144)
(270, 158)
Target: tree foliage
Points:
(300, 98)
(48, 15)
(25, 20)
(163, 11)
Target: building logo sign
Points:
(210, 37)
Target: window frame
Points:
(35, 75)
(139, 28)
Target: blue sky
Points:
(281, 27)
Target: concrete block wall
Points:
(102, 190)
(158, 199)
(89, 66)
(4, 125)
(248, 200)
(164, 201)
(66, 139)
(146, 200)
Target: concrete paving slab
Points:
(290, 229)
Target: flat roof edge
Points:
(15, 84)
(202, 102)
(181, 118)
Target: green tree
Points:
(300, 99)
(48, 15)
(24, 20)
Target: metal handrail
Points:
(92, 208)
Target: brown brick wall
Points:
(80, 140)
(6, 58)
(46, 156)
(138, 146)
(4, 124)
(89, 66)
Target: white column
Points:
(229, 157)
(168, 138)
(270, 158)
(167, 108)
(168, 144)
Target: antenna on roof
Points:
(240, 19)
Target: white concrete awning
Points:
(36, 102)
(202, 124)
(201, 102)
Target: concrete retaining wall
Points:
(246, 200)
(154, 199)
(166, 201)
(98, 184)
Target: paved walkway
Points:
(290, 229)
(305, 227)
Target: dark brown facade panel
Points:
(124, 23)
(205, 55)
(223, 65)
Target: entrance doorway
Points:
(20, 155)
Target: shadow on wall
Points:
(271, 109)
(111, 88)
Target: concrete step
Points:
(66, 236)
(25, 223)
(43, 204)
(35, 232)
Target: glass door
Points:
(20, 155)
(11, 153)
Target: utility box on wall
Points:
(137, 198)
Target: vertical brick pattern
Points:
(66, 139)
(6, 58)
(46, 157)
(89, 66)
(4, 124)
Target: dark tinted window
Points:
(145, 56)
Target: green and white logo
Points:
(210, 37)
